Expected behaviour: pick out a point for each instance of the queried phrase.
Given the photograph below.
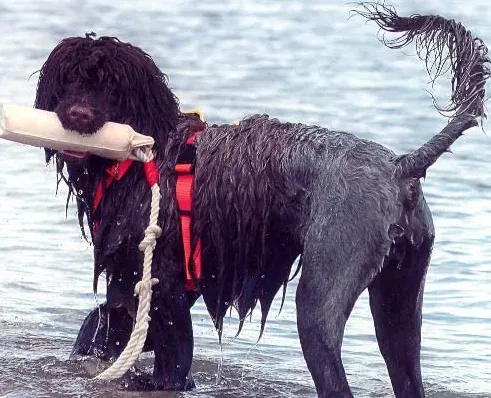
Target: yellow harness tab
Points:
(198, 112)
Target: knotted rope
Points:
(143, 289)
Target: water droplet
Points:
(263, 276)
(155, 308)
(117, 342)
(226, 303)
(80, 191)
(120, 280)
(178, 366)
(213, 277)
(171, 323)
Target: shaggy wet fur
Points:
(265, 193)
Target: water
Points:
(299, 61)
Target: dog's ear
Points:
(151, 105)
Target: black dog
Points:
(265, 192)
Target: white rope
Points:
(143, 288)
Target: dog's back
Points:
(268, 178)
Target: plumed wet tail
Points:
(444, 45)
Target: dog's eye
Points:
(114, 100)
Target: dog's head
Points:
(89, 81)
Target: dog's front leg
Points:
(104, 333)
(171, 336)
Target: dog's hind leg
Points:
(338, 264)
(396, 298)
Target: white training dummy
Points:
(43, 129)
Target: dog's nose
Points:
(79, 114)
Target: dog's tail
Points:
(444, 45)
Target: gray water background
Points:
(295, 60)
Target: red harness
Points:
(184, 187)
(116, 172)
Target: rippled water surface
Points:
(295, 60)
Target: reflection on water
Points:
(296, 61)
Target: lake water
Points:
(295, 60)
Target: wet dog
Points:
(264, 194)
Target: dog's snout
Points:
(85, 118)
(80, 114)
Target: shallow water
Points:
(298, 61)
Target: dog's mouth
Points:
(74, 156)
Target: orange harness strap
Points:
(184, 188)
